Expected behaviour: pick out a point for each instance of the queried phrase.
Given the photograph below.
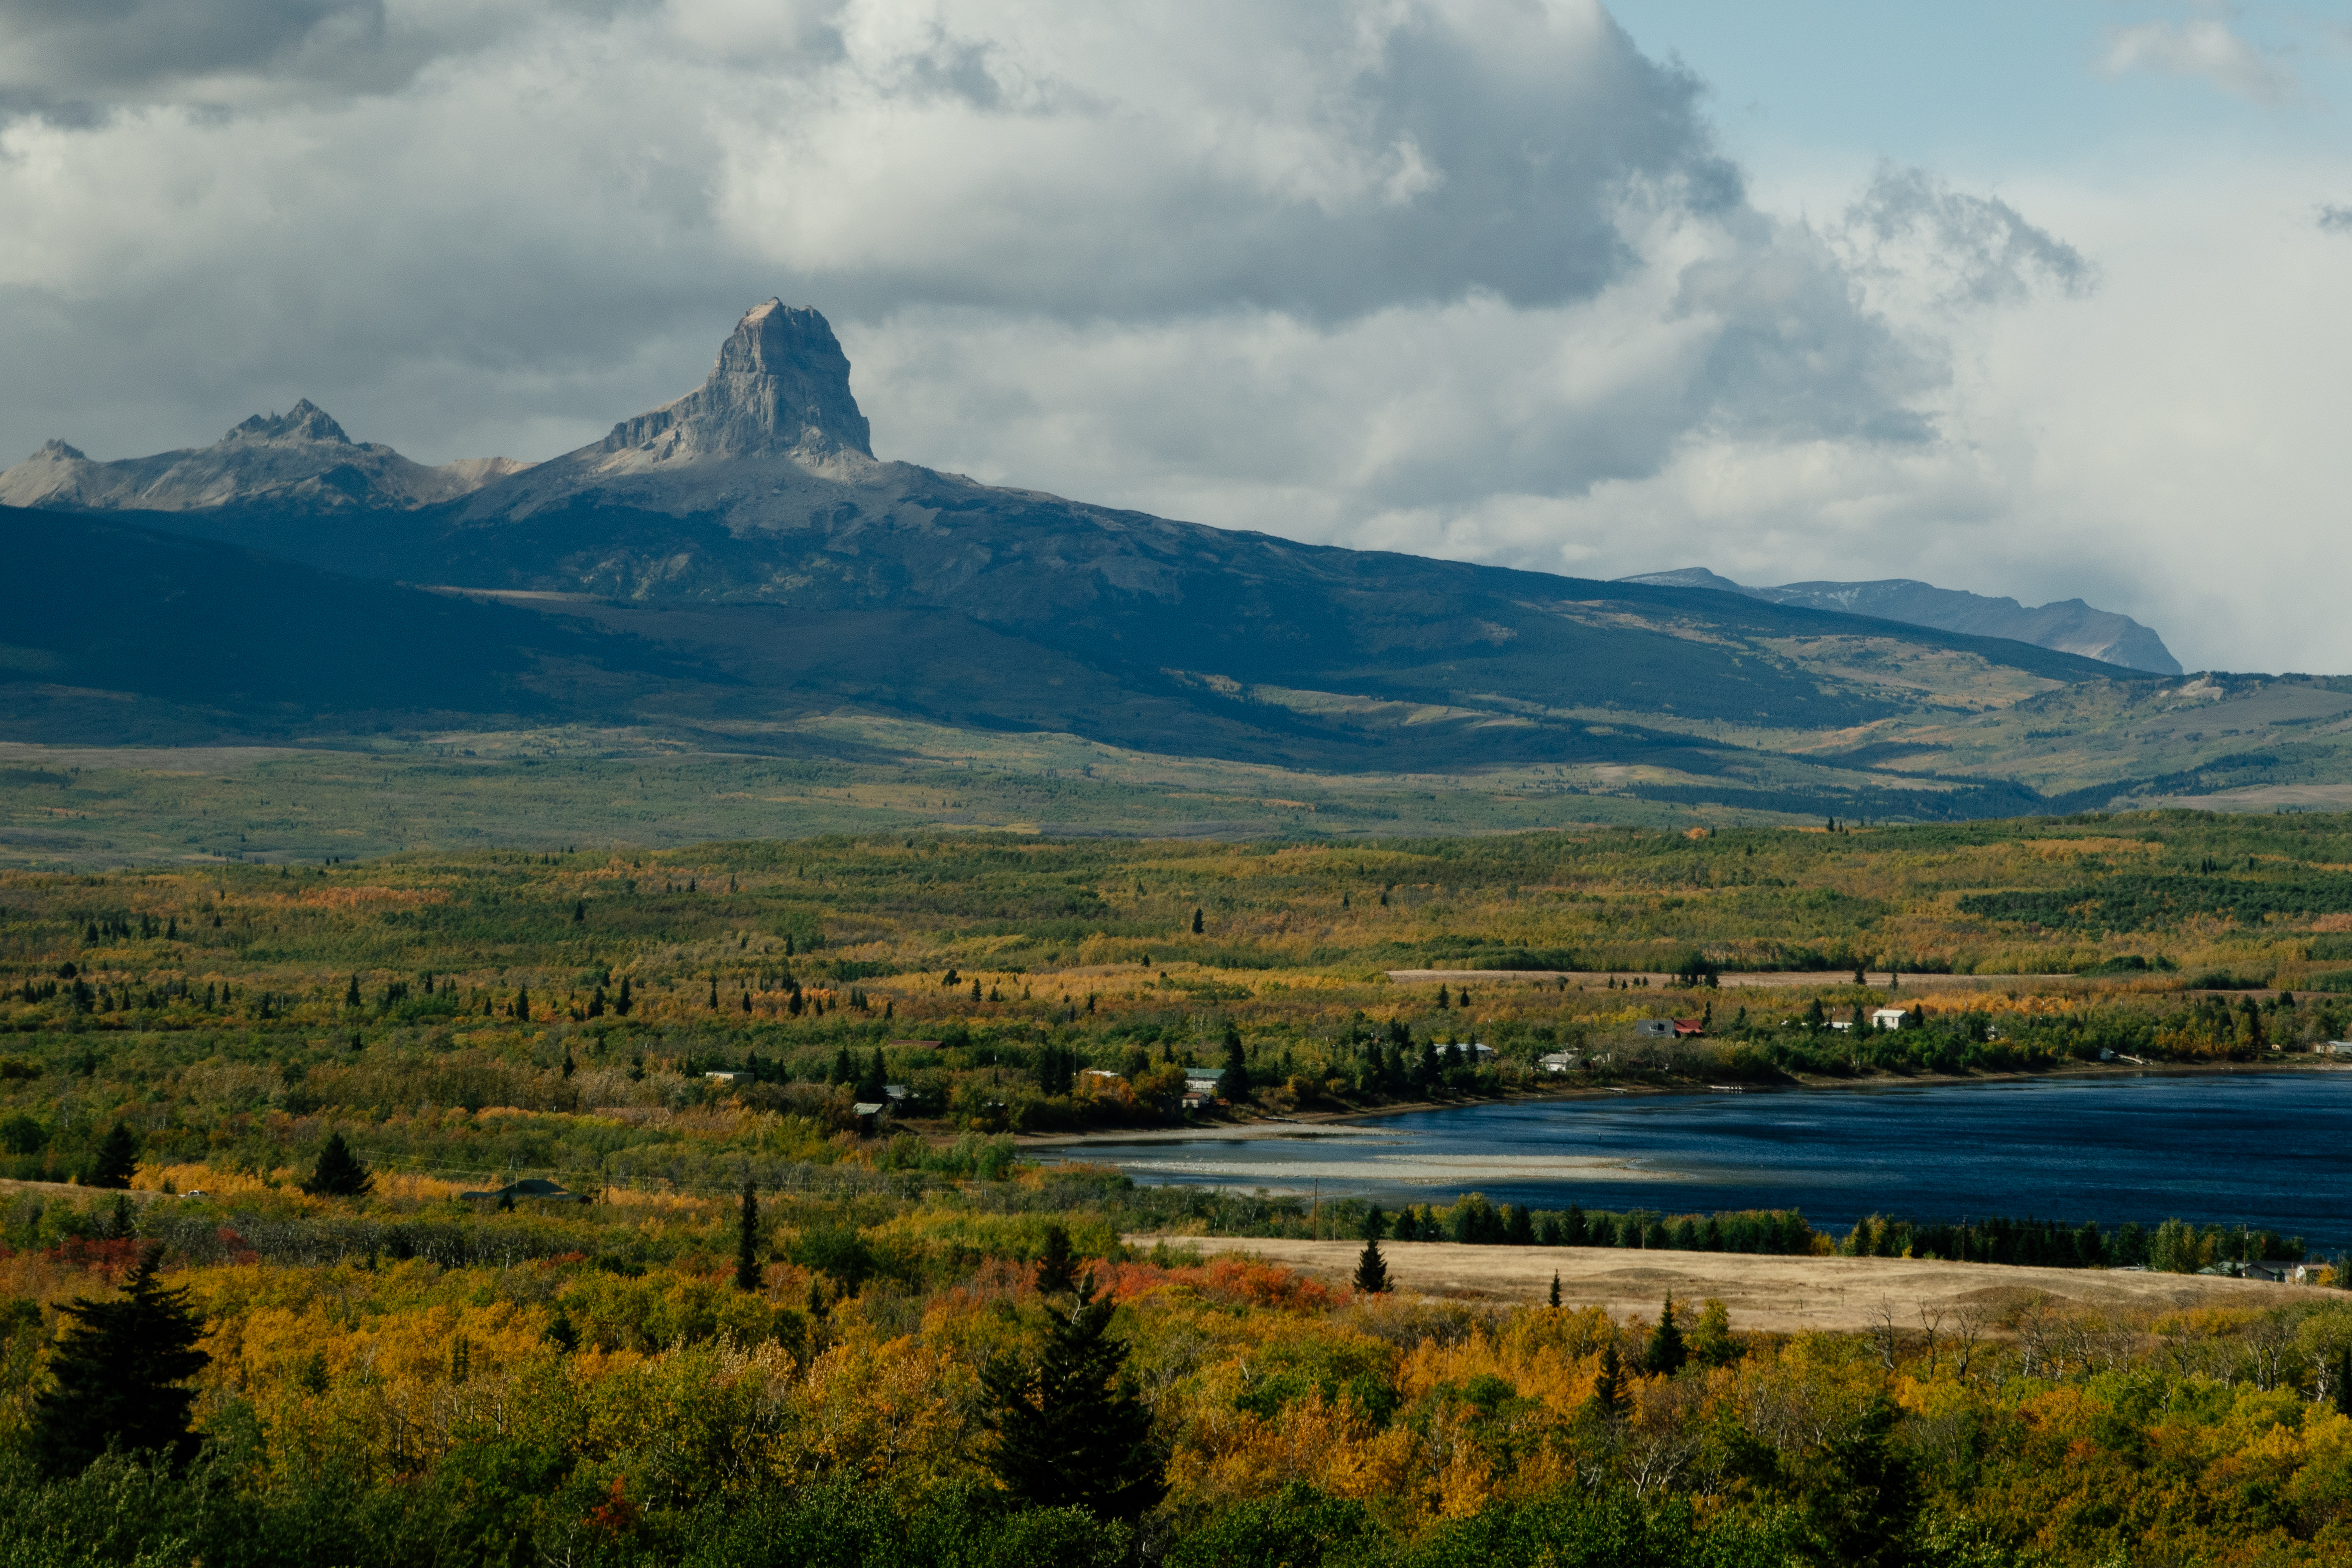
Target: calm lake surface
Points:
(2272, 1149)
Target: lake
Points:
(2272, 1149)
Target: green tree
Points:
(1608, 1397)
(1071, 1432)
(1058, 1271)
(340, 1173)
(1196, 922)
(870, 1082)
(1233, 1083)
(1371, 1269)
(747, 1244)
(352, 993)
(1711, 1341)
(1860, 1496)
(118, 1376)
(1555, 1286)
(118, 1159)
(1667, 1353)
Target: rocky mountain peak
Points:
(780, 385)
(306, 421)
(55, 448)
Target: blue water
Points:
(2272, 1149)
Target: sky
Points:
(2039, 299)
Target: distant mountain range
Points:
(2068, 625)
(724, 567)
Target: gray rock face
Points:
(780, 385)
(2069, 626)
(299, 457)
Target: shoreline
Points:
(1344, 1123)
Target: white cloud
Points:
(1469, 277)
(2206, 47)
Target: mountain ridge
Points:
(2069, 626)
(300, 457)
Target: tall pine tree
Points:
(747, 1245)
(1071, 1432)
(118, 1159)
(1058, 1271)
(120, 1375)
(340, 1173)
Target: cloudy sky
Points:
(2043, 298)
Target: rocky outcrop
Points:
(2069, 626)
(301, 457)
(780, 386)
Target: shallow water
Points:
(2272, 1149)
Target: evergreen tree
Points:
(1371, 1269)
(118, 1159)
(1058, 1271)
(1667, 1353)
(523, 1004)
(1375, 1226)
(1233, 1083)
(120, 1226)
(1072, 1433)
(1863, 1495)
(118, 1376)
(1608, 1397)
(1555, 1286)
(844, 1069)
(870, 1083)
(1196, 922)
(340, 1173)
(747, 1245)
(352, 993)
(626, 1002)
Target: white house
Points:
(1559, 1061)
(1888, 1019)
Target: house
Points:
(1685, 1028)
(2334, 1047)
(725, 1077)
(1103, 1077)
(894, 1092)
(1660, 1029)
(1196, 1100)
(869, 1114)
(1559, 1061)
(1888, 1019)
(1202, 1080)
(1841, 1022)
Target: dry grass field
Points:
(1783, 1295)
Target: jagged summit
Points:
(300, 457)
(2069, 626)
(306, 421)
(780, 385)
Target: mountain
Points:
(2068, 625)
(737, 571)
(300, 457)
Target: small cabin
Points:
(1559, 1061)
(869, 1114)
(1889, 1018)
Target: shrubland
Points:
(626, 1371)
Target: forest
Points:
(679, 1206)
